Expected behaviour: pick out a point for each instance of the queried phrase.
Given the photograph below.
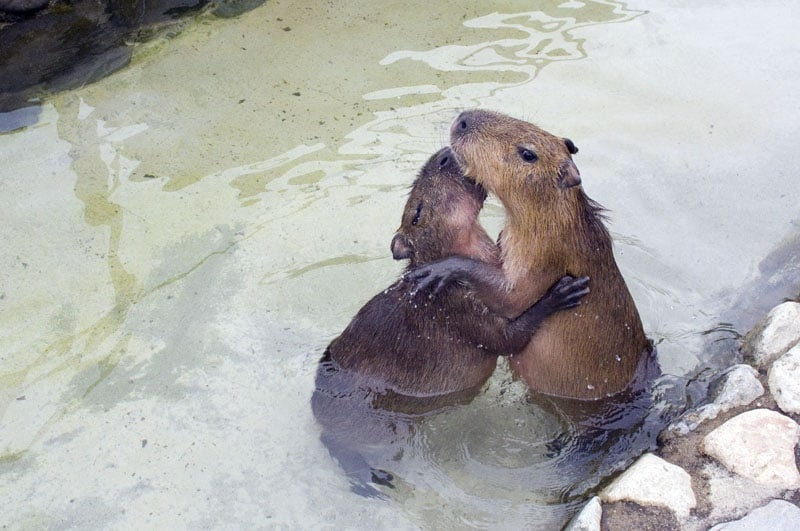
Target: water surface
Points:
(184, 237)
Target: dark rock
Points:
(22, 6)
(70, 44)
(234, 8)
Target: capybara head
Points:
(510, 156)
(441, 213)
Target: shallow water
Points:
(184, 237)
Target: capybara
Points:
(552, 229)
(405, 353)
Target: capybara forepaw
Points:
(567, 292)
(437, 275)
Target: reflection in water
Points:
(415, 124)
(94, 150)
(70, 366)
(545, 37)
(87, 356)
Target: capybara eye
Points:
(528, 155)
(416, 214)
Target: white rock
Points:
(776, 334)
(654, 481)
(784, 381)
(589, 518)
(777, 515)
(739, 388)
(729, 495)
(758, 445)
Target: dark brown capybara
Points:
(552, 229)
(404, 353)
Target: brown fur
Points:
(419, 346)
(553, 229)
(409, 342)
(406, 353)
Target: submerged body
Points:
(552, 229)
(404, 353)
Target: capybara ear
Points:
(402, 248)
(571, 147)
(568, 174)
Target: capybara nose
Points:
(463, 124)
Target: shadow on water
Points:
(778, 281)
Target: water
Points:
(183, 238)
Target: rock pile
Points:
(731, 464)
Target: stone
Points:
(653, 481)
(730, 496)
(777, 515)
(630, 516)
(784, 381)
(589, 518)
(20, 6)
(737, 386)
(775, 335)
(758, 445)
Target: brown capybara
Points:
(405, 353)
(552, 229)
